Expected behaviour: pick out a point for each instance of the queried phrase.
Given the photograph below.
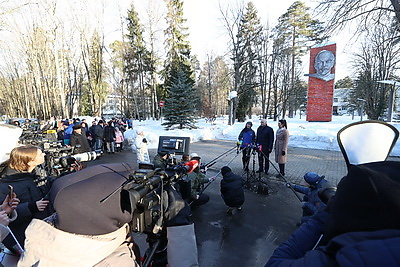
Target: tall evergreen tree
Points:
(179, 106)
(250, 32)
(296, 29)
(138, 64)
(95, 92)
(178, 61)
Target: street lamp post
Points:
(391, 97)
(232, 95)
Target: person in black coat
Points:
(109, 137)
(232, 191)
(79, 140)
(19, 171)
(265, 144)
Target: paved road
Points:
(249, 237)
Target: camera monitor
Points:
(174, 145)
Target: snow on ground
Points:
(315, 135)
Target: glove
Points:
(283, 153)
(239, 143)
(144, 140)
(211, 179)
(288, 185)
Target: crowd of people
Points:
(52, 218)
(102, 134)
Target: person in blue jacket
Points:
(247, 138)
(359, 227)
(311, 201)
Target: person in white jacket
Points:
(141, 147)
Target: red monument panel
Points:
(321, 82)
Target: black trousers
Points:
(282, 169)
(246, 157)
(263, 158)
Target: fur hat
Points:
(367, 199)
(77, 126)
(225, 170)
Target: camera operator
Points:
(246, 138)
(360, 226)
(79, 140)
(19, 171)
(161, 160)
(87, 232)
(197, 180)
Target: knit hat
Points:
(367, 199)
(76, 199)
(162, 153)
(194, 156)
(225, 170)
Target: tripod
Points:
(253, 181)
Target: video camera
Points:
(62, 160)
(173, 146)
(148, 198)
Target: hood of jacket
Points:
(50, 246)
(356, 248)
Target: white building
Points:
(341, 101)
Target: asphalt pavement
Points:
(248, 237)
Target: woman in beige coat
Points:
(281, 144)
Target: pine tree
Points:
(296, 29)
(179, 106)
(138, 63)
(178, 72)
(250, 32)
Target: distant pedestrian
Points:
(265, 143)
(232, 191)
(119, 139)
(281, 145)
(142, 152)
(99, 134)
(109, 137)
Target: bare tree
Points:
(340, 13)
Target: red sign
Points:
(161, 103)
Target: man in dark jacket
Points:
(361, 228)
(265, 142)
(79, 140)
(99, 134)
(232, 190)
(160, 160)
(109, 137)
